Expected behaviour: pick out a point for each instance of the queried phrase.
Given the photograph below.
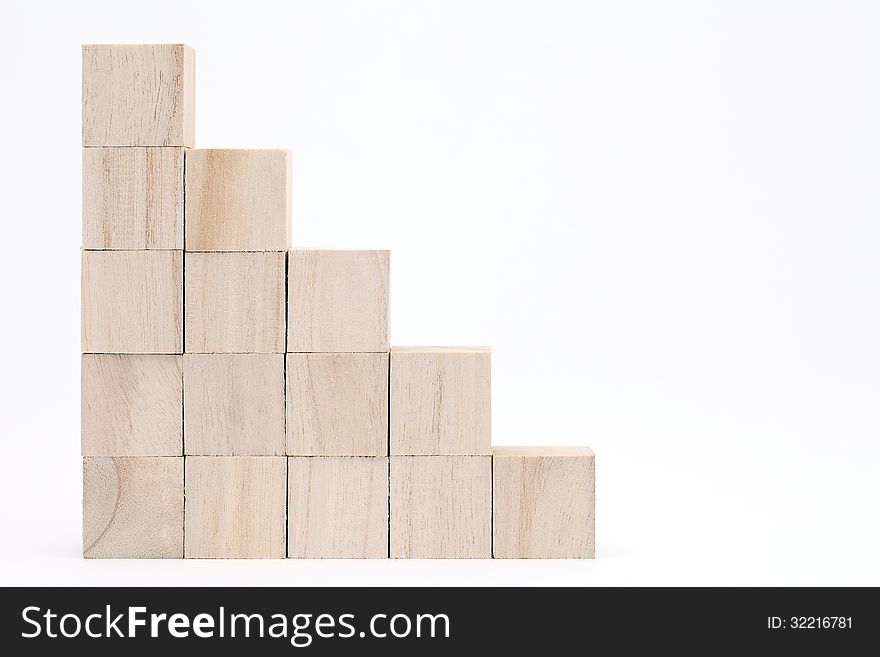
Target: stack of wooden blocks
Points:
(240, 398)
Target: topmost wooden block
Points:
(138, 95)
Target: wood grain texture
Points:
(337, 404)
(132, 302)
(235, 507)
(133, 507)
(440, 400)
(234, 404)
(544, 503)
(132, 198)
(138, 95)
(441, 507)
(235, 302)
(337, 301)
(237, 200)
(338, 508)
(131, 405)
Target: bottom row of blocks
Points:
(338, 507)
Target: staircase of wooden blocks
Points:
(240, 398)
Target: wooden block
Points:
(440, 400)
(235, 507)
(441, 507)
(234, 404)
(235, 302)
(131, 405)
(132, 198)
(337, 301)
(237, 200)
(138, 95)
(338, 508)
(133, 507)
(543, 503)
(337, 404)
(132, 302)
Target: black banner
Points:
(435, 621)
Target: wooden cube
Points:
(440, 400)
(237, 200)
(441, 507)
(544, 503)
(131, 405)
(337, 404)
(138, 95)
(132, 198)
(234, 404)
(133, 507)
(338, 508)
(235, 507)
(235, 302)
(132, 302)
(337, 301)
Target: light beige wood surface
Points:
(544, 503)
(337, 301)
(337, 404)
(235, 302)
(235, 507)
(132, 198)
(338, 508)
(540, 451)
(138, 95)
(132, 302)
(441, 507)
(237, 200)
(133, 507)
(440, 400)
(234, 404)
(131, 405)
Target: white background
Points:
(664, 217)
